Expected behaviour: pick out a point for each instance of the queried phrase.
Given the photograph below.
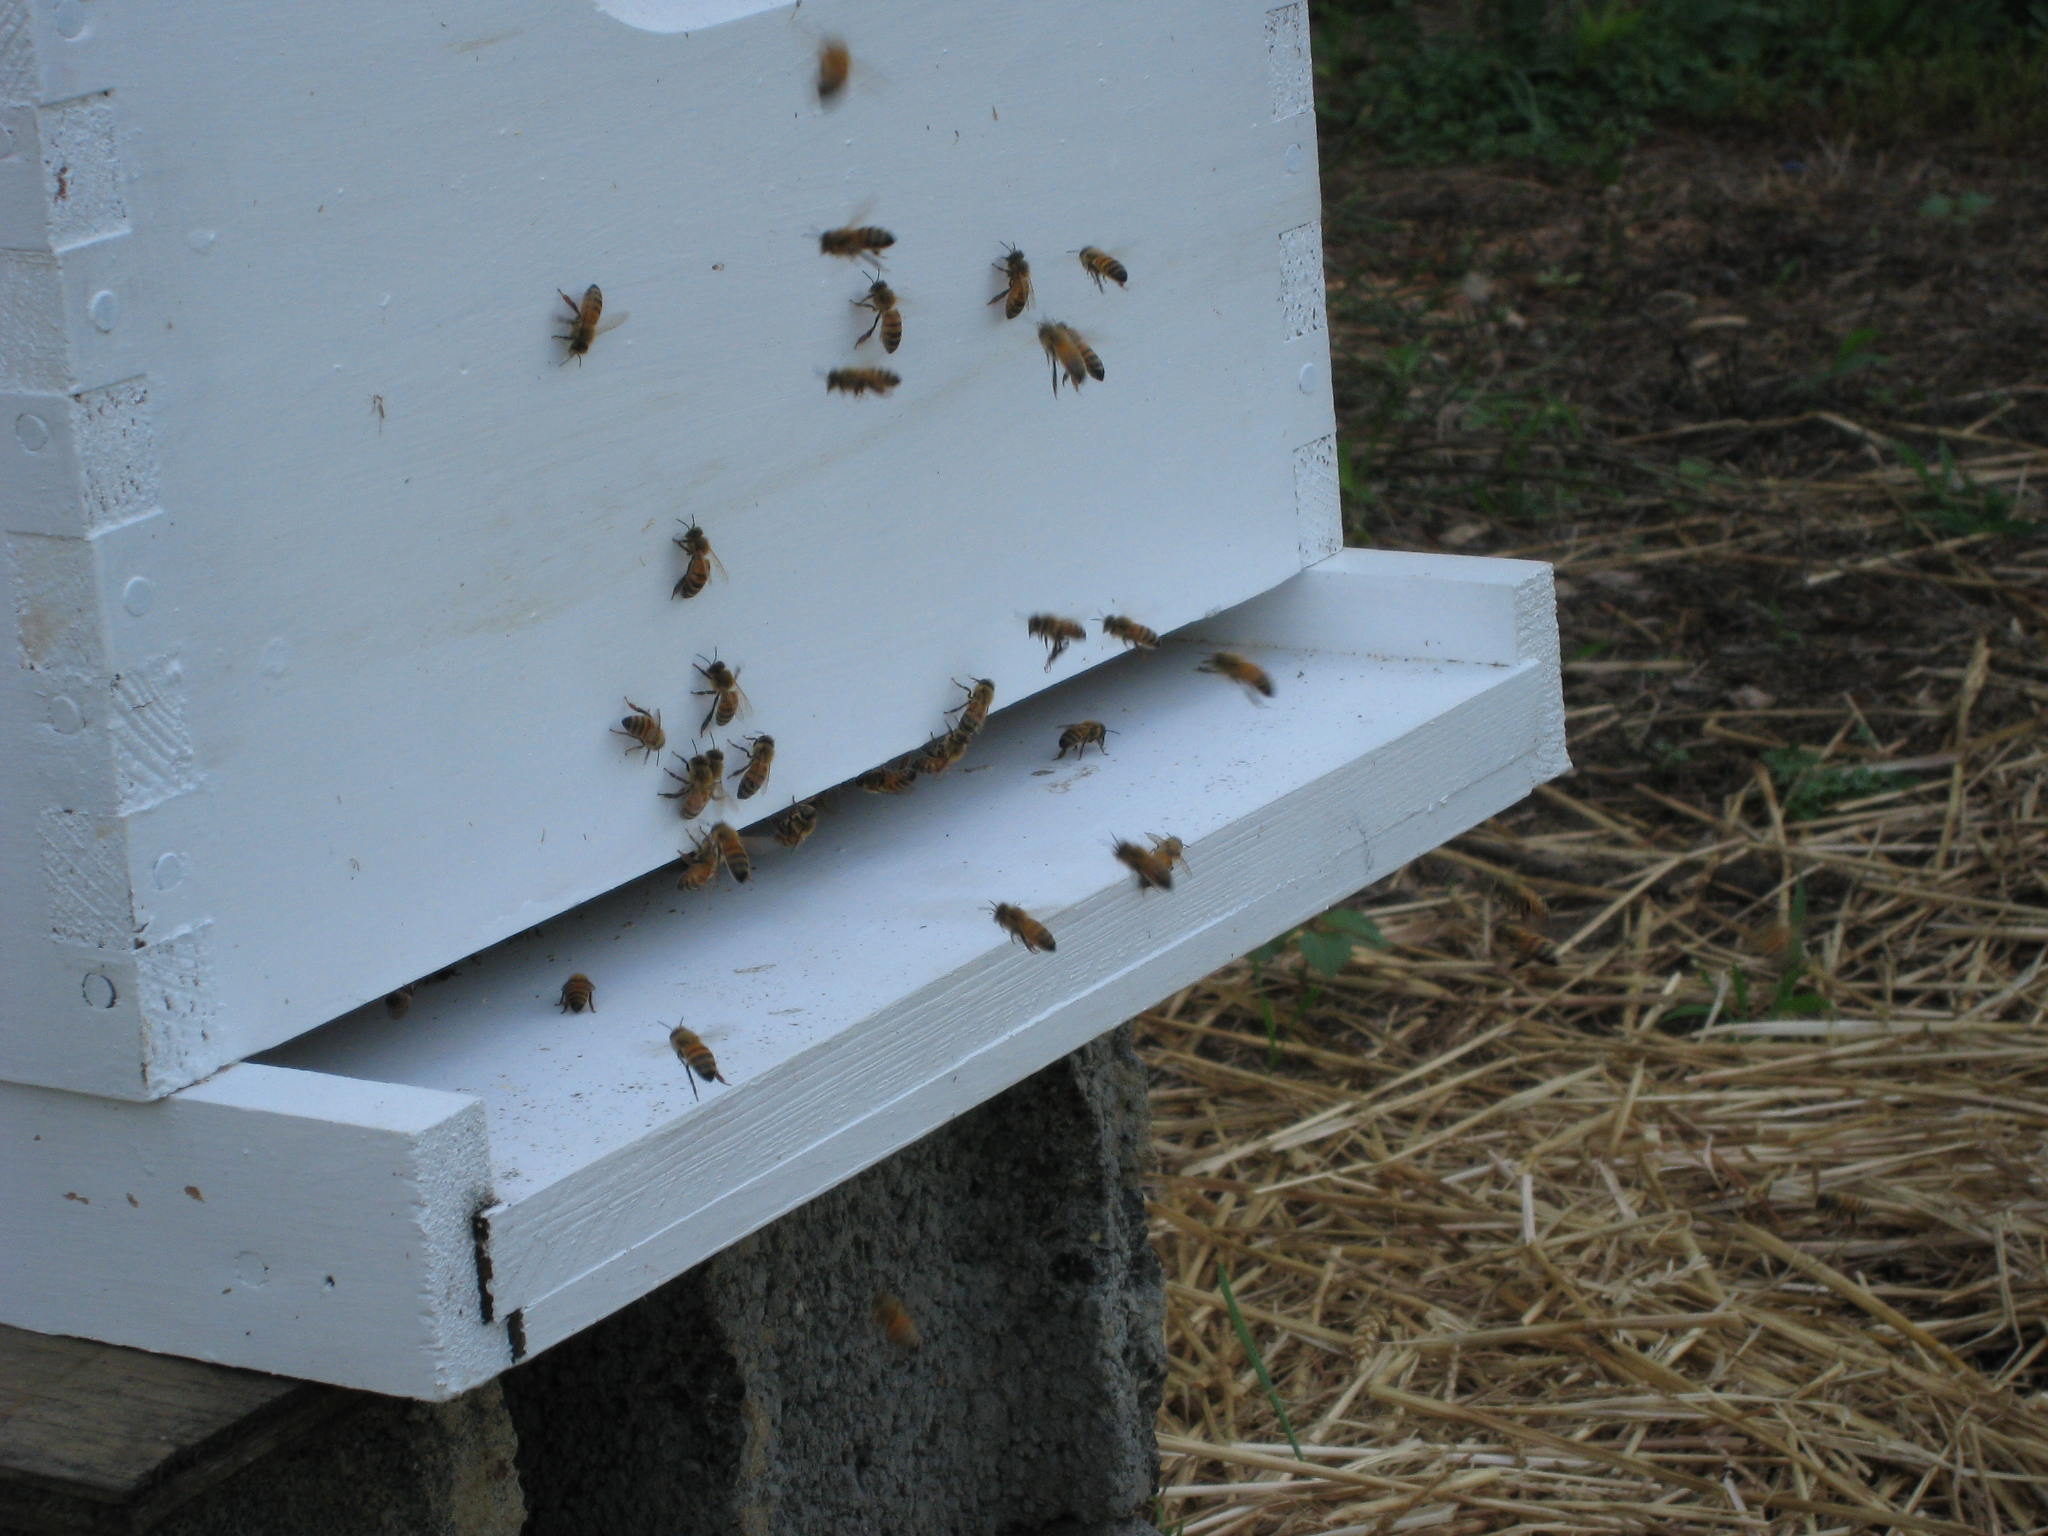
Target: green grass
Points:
(1577, 85)
(1251, 1349)
(1810, 788)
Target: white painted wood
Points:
(328, 580)
(310, 1225)
(855, 991)
(331, 580)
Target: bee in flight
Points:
(692, 542)
(1080, 736)
(860, 381)
(1527, 942)
(796, 824)
(889, 779)
(1131, 632)
(724, 693)
(1017, 285)
(835, 63)
(1056, 632)
(981, 693)
(643, 729)
(1146, 863)
(583, 326)
(896, 1324)
(1233, 666)
(732, 851)
(1528, 901)
(1099, 264)
(1069, 354)
(855, 241)
(693, 1053)
(881, 298)
(1023, 927)
(753, 777)
(578, 995)
(700, 865)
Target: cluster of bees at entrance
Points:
(703, 780)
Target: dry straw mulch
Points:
(1679, 1167)
(1539, 1221)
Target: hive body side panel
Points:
(390, 570)
(110, 988)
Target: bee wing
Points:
(613, 319)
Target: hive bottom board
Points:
(409, 1205)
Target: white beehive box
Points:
(329, 580)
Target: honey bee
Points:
(1526, 900)
(1023, 927)
(726, 699)
(796, 824)
(1088, 358)
(1099, 264)
(1056, 632)
(692, 542)
(699, 786)
(1233, 666)
(583, 321)
(1069, 354)
(1080, 736)
(643, 729)
(700, 865)
(981, 693)
(398, 1004)
(1169, 849)
(1527, 942)
(693, 1053)
(1063, 350)
(854, 241)
(753, 778)
(1017, 289)
(1131, 632)
(1851, 1206)
(732, 850)
(889, 779)
(835, 63)
(1772, 939)
(858, 381)
(941, 752)
(578, 995)
(881, 298)
(896, 1324)
(1147, 864)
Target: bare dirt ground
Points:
(1681, 1164)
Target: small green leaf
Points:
(1356, 924)
(1327, 953)
(1266, 951)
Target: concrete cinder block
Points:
(762, 1393)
